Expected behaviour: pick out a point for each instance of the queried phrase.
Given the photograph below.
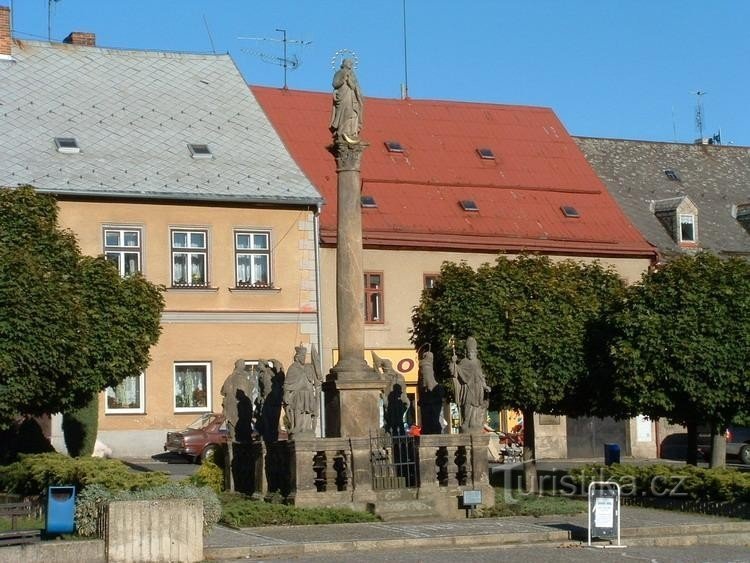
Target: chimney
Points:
(81, 38)
(5, 38)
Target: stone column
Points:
(353, 388)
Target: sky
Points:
(609, 68)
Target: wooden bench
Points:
(14, 536)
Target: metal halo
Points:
(339, 55)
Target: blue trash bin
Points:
(61, 506)
(611, 454)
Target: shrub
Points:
(95, 498)
(32, 474)
(80, 427)
(209, 474)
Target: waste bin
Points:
(61, 506)
(611, 454)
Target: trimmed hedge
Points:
(80, 427)
(33, 473)
(669, 481)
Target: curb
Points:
(726, 533)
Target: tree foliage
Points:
(681, 343)
(69, 324)
(532, 318)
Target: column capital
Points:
(348, 155)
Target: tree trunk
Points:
(692, 443)
(530, 481)
(718, 446)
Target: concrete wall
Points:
(88, 551)
(217, 325)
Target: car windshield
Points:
(202, 421)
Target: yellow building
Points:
(165, 163)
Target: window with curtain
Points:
(253, 257)
(192, 387)
(687, 228)
(122, 246)
(373, 297)
(189, 258)
(126, 397)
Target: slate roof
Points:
(133, 114)
(537, 169)
(714, 177)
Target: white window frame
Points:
(371, 318)
(121, 249)
(690, 220)
(252, 253)
(140, 409)
(189, 252)
(207, 387)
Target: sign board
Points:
(604, 512)
(472, 498)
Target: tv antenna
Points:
(289, 63)
(50, 3)
(700, 116)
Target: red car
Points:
(202, 438)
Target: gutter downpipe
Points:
(319, 320)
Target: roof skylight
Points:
(570, 211)
(68, 145)
(199, 151)
(368, 201)
(486, 153)
(394, 146)
(672, 175)
(469, 205)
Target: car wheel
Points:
(745, 454)
(209, 451)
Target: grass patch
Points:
(21, 524)
(242, 512)
(515, 503)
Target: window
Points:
(192, 387)
(394, 146)
(127, 397)
(123, 248)
(200, 151)
(672, 175)
(430, 280)
(252, 257)
(687, 228)
(189, 257)
(570, 211)
(373, 297)
(469, 205)
(486, 153)
(67, 145)
(368, 201)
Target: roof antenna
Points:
(700, 117)
(208, 30)
(291, 63)
(49, 18)
(405, 89)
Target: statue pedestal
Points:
(352, 401)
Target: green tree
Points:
(532, 318)
(70, 326)
(681, 345)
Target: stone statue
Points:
(271, 383)
(395, 400)
(348, 105)
(471, 388)
(237, 403)
(302, 393)
(430, 397)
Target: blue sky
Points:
(609, 68)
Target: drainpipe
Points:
(316, 228)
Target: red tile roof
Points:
(537, 169)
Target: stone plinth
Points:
(353, 407)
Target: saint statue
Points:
(395, 400)
(237, 403)
(472, 392)
(348, 105)
(430, 396)
(302, 393)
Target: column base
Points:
(352, 401)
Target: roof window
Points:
(486, 153)
(687, 228)
(68, 145)
(469, 205)
(672, 175)
(394, 146)
(570, 211)
(368, 201)
(199, 151)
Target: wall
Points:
(219, 324)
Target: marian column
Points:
(353, 388)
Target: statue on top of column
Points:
(348, 105)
